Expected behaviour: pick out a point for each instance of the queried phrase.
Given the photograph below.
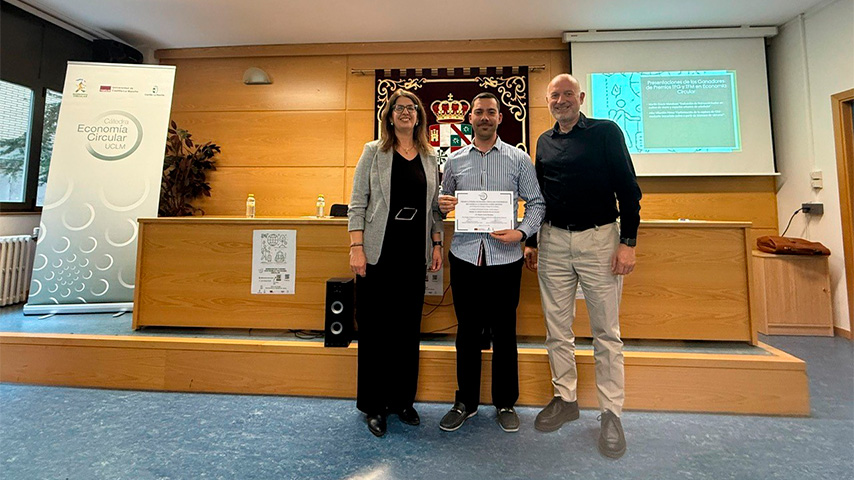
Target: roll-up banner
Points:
(105, 173)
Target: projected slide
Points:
(670, 112)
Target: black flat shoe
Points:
(409, 416)
(377, 424)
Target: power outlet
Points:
(813, 208)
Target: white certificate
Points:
(274, 261)
(479, 211)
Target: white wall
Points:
(808, 61)
(18, 224)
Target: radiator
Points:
(16, 261)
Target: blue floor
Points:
(58, 433)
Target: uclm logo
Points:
(112, 136)
(106, 88)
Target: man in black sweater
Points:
(584, 170)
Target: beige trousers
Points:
(565, 260)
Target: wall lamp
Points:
(256, 76)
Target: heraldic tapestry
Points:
(447, 93)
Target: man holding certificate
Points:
(484, 182)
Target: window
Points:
(35, 55)
(15, 121)
(52, 101)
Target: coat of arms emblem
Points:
(450, 133)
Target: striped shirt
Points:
(503, 167)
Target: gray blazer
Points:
(371, 196)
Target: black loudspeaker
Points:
(340, 312)
(111, 51)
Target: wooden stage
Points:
(769, 383)
(692, 283)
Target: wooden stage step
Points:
(770, 383)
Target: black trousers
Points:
(389, 301)
(486, 297)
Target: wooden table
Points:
(691, 282)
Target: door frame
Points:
(843, 131)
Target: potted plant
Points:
(185, 169)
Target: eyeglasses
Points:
(408, 108)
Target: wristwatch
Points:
(524, 236)
(437, 243)
(630, 242)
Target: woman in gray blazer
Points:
(395, 237)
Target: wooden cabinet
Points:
(792, 294)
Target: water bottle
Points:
(250, 206)
(321, 204)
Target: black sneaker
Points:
(612, 440)
(508, 420)
(555, 414)
(455, 417)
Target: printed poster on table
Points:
(274, 261)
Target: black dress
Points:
(390, 298)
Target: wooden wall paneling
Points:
(710, 198)
(270, 139)
(559, 60)
(360, 130)
(540, 121)
(750, 199)
(211, 285)
(299, 83)
(754, 208)
(755, 184)
(360, 89)
(348, 183)
(280, 191)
